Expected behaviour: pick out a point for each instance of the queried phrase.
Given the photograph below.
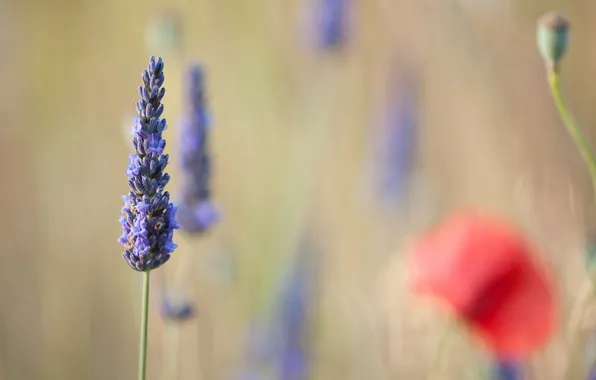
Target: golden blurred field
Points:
(292, 139)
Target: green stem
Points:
(582, 302)
(144, 325)
(571, 125)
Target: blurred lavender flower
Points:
(279, 341)
(331, 22)
(294, 365)
(294, 315)
(148, 220)
(397, 139)
(177, 310)
(507, 370)
(261, 349)
(197, 212)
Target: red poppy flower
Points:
(486, 272)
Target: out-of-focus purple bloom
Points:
(261, 349)
(279, 342)
(293, 364)
(397, 138)
(293, 303)
(331, 22)
(295, 299)
(148, 217)
(507, 370)
(197, 212)
(177, 309)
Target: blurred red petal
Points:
(523, 319)
(483, 269)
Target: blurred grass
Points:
(291, 132)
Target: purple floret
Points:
(197, 213)
(148, 217)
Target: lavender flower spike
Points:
(148, 220)
(332, 25)
(507, 370)
(197, 213)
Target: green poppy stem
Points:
(584, 299)
(571, 125)
(144, 325)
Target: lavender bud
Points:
(552, 36)
(159, 111)
(197, 213)
(148, 244)
(161, 94)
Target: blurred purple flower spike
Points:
(296, 301)
(327, 23)
(261, 350)
(279, 341)
(197, 213)
(177, 310)
(330, 19)
(198, 217)
(397, 138)
(507, 370)
(293, 364)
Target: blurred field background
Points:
(293, 140)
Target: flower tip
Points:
(554, 20)
(552, 36)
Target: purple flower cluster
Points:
(507, 370)
(177, 310)
(397, 142)
(278, 340)
(197, 213)
(293, 314)
(332, 22)
(148, 219)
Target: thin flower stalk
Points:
(552, 40)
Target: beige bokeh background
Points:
(291, 138)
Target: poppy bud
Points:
(552, 38)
